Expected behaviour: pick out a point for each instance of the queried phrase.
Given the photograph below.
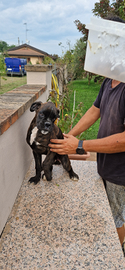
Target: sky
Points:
(44, 24)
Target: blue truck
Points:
(15, 66)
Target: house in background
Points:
(33, 55)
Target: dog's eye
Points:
(41, 115)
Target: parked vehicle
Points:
(15, 66)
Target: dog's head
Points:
(46, 114)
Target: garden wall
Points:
(15, 154)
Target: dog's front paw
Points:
(46, 177)
(73, 175)
(34, 180)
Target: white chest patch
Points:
(33, 135)
(37, 143)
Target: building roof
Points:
(27, 50)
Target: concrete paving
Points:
(62, 224)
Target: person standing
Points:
(109, 106)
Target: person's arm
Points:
(111, 144)
(88, 119)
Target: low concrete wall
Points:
(15, 118)
(16, 155)
(39, 74)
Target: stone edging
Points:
(14, 103)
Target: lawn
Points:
(86, 94)
(8, 83)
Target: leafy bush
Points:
(84, 98)
(79, 58)
(48, 60)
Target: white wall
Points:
(15, 159)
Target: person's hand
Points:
(65, 146)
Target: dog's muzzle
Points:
(44, 128)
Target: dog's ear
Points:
(35, 106)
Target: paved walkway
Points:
(62, 225)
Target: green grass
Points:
(9, 83)
(86, 94)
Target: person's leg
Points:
(121, 234)
(116, 197)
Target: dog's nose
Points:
(47, 124)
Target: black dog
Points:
(41, 130)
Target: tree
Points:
(79, 58)
(54, 56)
(104, 8)
(3, 46)
(66, 60)
(2, 67)
(101, 9)
(81, 28)
(119, 9)
(11, 46)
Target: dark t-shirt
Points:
(111, 102)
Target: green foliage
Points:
(104, 8)
(119, 8)
(63, 103)
(79, 58)
(66, 60)
(9, 83)
(2, 64)
(55, 57)
(11, 46)
(48, 60)
(84, 98)
(2, 67)
(101, 9)
(4, 46)
(81, 28)
(74, 60)
(86, 94)
(69, 119)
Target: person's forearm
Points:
(112, 144)
(88, 119)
